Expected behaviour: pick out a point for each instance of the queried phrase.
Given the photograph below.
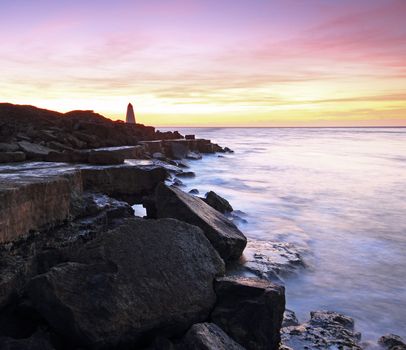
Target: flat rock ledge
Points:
(324, 330)
(38, 195)
(273, 261)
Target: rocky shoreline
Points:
(80, 271)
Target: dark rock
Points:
(125, 287)
(250, 311)
(58, 157)
(208, 336)
(128, 183)
(105, 157)
(221, 232)
(38, 341)
(79, 157)
(152, 146)
(178, 150)
(392, 342)
(228, 150)
(217, 202)
(12, 157)
(9, 147)
(34, 202)
(148, 202)
(182, 164)
(325, 330)
(186, 174)
(194, 191)
(189, 137)
(75, 129)
(289, 319)
(58, 146)
(161, 343)
(178, 183)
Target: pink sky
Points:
(257, 62)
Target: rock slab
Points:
(228, 240)
(250, 310)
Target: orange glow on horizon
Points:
(210, 63)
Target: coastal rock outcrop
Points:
(144, 278)
(250, 310)
(40, 196)
(392, 342)
(208, 336)
(325, 330)
(228, 240)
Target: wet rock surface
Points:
(208, 336)
(221, 232)
(269, 260)
(250, 310)
(289, 319)
(324, 330)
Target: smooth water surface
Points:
(340, 194)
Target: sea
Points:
(337, 193)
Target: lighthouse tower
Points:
(130, 118)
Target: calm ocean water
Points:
(340, 194)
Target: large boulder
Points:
(228, 240)
(208, 336)
(125, 287)
(250, 310)
(217, 202)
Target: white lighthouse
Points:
(130, 118)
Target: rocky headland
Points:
(78, 270)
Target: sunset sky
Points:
(209, 62)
